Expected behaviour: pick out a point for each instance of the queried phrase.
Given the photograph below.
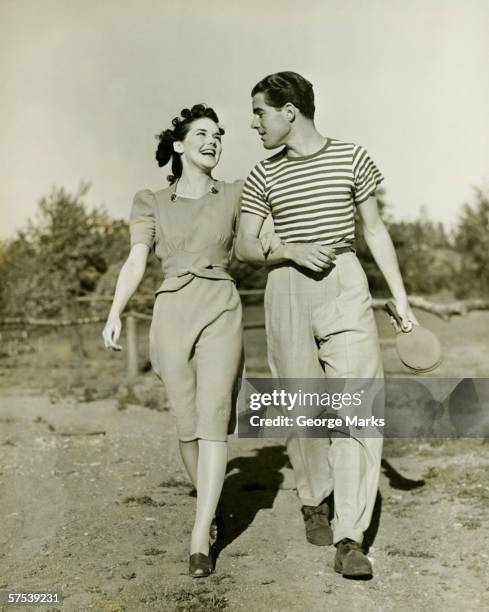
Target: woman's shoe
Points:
(200, 565)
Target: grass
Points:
(199, 600)
(416, 554)
(143, 500)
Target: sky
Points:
(87, 84)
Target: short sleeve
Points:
(253, 199)
(142, 220)
(366, 175)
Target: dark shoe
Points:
(200, 565)
(316, 519)
(217, 526)
(351, 561)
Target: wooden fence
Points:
(445, 311)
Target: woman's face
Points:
(201, 147)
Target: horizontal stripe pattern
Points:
(313, 198)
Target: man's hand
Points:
(407, 315)
(313, 256)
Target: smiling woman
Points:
(194, 140)
(195, 335)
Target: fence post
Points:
(132, 346)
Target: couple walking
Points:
(319, 319)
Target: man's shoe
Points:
(318, 529)
(350, 560)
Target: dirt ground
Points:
(94, 503)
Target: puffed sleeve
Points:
(366, 175)
(142, 220)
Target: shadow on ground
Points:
(251, 485)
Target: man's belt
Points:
(342, 249)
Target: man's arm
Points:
(249, 248)
(380, 244)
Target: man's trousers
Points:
(323, 325)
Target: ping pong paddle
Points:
(418, 349)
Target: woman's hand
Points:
(111, 333)
(269, 242)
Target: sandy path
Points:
(94, 503)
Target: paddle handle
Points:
(391, 309)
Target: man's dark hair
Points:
(283, 87)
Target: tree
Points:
(427, 260)
(426, 257)
(60, 256)
(472, 242)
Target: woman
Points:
(195, 335)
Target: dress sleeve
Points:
(237, 192)
(366, 175)
(142, 220)
(254, 198)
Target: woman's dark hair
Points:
(181, 127)
(283, 87)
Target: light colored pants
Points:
(317, 326)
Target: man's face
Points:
(271, 123)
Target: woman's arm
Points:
(249, 248)
(248, 245)
(128, 281)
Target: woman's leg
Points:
(211, 470)
(217, 357)
(189, 452)
(169, 351)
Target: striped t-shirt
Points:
(312, 198)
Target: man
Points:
(318, 311)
